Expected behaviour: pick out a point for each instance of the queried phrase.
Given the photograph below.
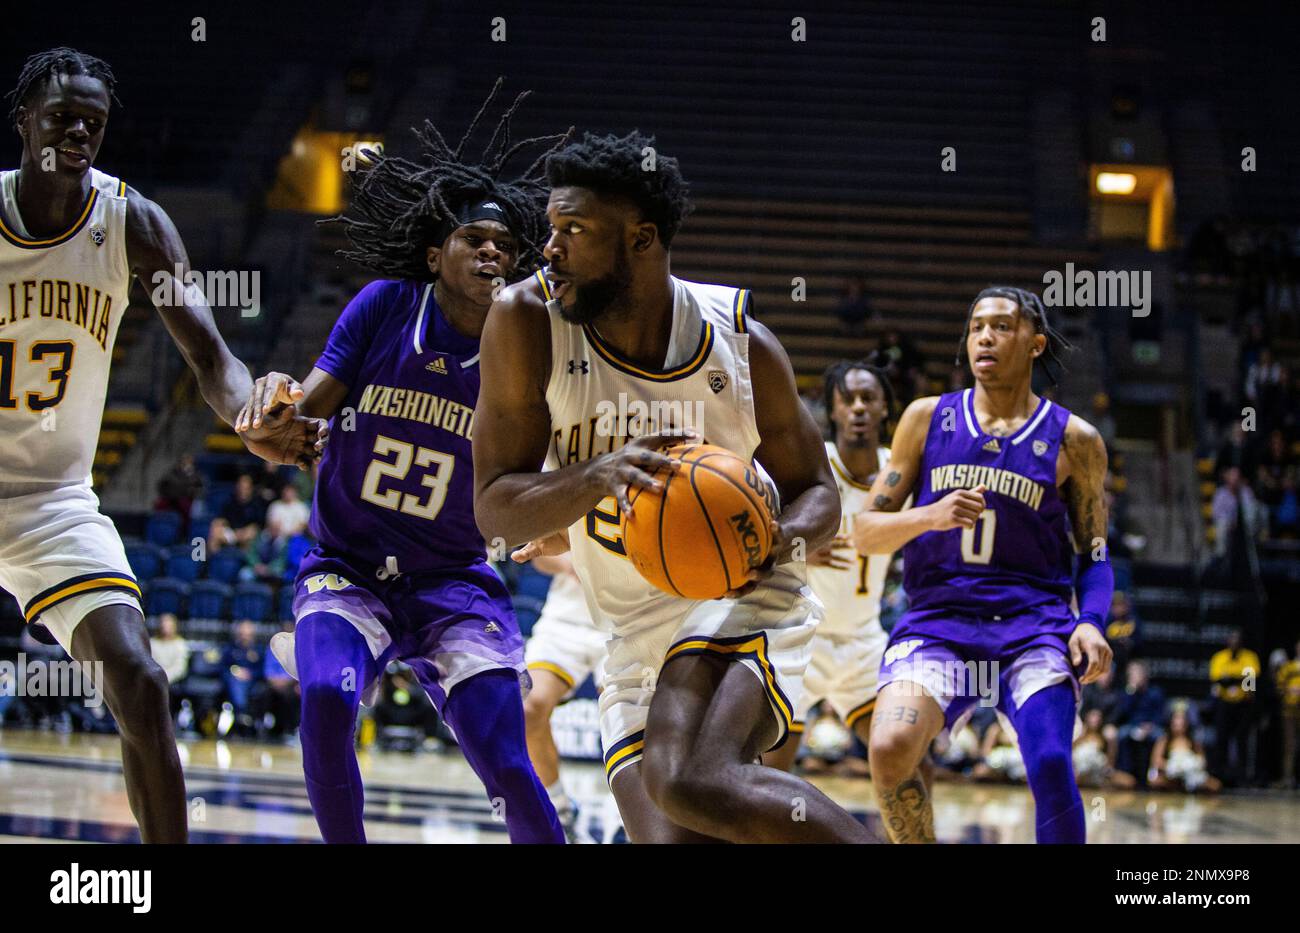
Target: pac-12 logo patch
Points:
(98, 235)
(1040, 447)
(717, 380)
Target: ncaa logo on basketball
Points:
(744, 523)
(717, 380)
(1040, 447)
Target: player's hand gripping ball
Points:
(707, 528)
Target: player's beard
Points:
(593, 300)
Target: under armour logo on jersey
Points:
(1040, 447)
(993, 445)
(98, 235)
(438, 366)
(579, 367)
(717, 380)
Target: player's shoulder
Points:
(1082, 438)
(523, 299)
(920, 409)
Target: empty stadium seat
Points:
(224, 565)
(166, 595)
(163, 528)
(210, 599)
(181, 565)
(145, 560)
(251, 601)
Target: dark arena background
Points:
(866, 169)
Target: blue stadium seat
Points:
(166, 595)
(532, 583)
(217, 497)
(145, 560)
(209, 599)
(286, 602)
(199, 528)
(163, 528)
(181, 564)
(527, 611)
(252, 601)
(224, 565)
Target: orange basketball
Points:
(706, 529)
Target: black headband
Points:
(487, 209)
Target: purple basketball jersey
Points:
(397, 477)
(1019, 555)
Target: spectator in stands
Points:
(280, 700)
(898, 356)
(240, 519)
(1287, 679)
(1095, 751)
(1275, 463)
(1235, 512)
(1139, 720)
(1284, 519)
(1234, 452)
(854, 306)
(404, 716)
(1122, 629)
(270, 482)
(1103, 420)
(1105, 695)
(1263, 381)
(170, 650)
(1234, 672)
(242, 670)
(1178, 761)
(287, 516)
(179, 489)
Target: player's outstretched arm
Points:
(1084, 490)
(885, 526)
(514, 501)
(791, 450)
(157, 257)
(320, 396)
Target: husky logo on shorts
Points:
(1040, 447)
(902, 649)
(717, 380)
(326, 581)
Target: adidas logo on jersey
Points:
(491, 627)
(438, 366)
(993, 445)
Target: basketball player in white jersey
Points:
(563, 650)
(588, 369)
(849, 643)
(71, 237)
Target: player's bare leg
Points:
(643, 821)
(548, 690)
(783, 758)
(135, 689)
(708, 722)
(905, 722)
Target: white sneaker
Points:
(282, 646)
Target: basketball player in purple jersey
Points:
(1008, 488)
(400, 570)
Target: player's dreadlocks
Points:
(42, 66)
(1031, 306)
(614, 165)
(401, 207)
(836, 378)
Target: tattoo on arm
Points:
(881, 501)
(1084, 490)
(892, 479)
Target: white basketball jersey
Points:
(565, 600)
(852, 596)
(61, 300)
(599, 400)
